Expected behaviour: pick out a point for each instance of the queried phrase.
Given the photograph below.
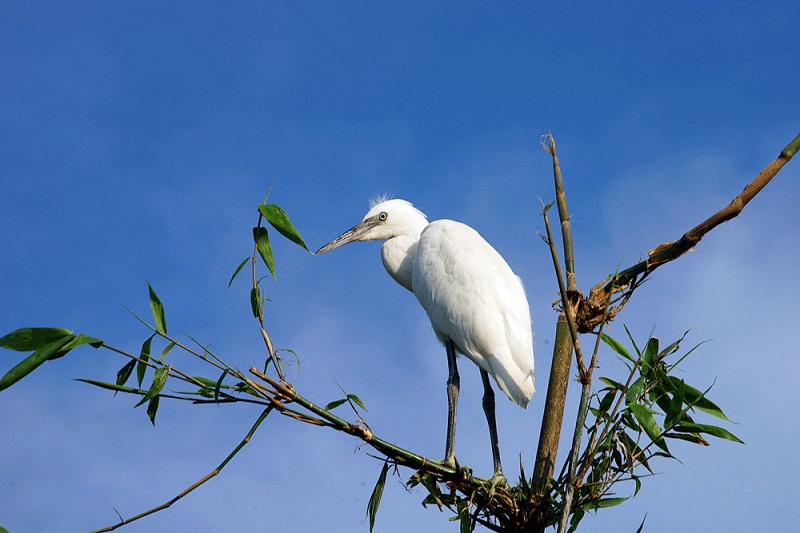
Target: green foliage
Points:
(158, 311)
(46, 343)
(280, 221)
(633, 420)
(375, 497)
(261, 238)
(633, 423)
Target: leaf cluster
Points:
(633, 422)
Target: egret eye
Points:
(383, 216)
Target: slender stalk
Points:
(549, 144)
(573, 456)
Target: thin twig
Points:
(583, 410)
(566, 306)
(196, 484)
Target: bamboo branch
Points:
(553, 416)
(590, 309)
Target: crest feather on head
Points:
(379, 199)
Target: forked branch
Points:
(591, 308)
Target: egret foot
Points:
(464, 472)
(499, 480)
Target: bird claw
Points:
(498, 480)
(462, 471)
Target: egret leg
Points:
(453, 384)
(488, 409)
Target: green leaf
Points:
(125, 372)
(634, 391)
(261, 238)
(30, 339)
(649, 358)
(152, 409)
(357, 400)
(611, 383)
(641, 526)
(716, 431)
(334, 404)
(605, 502)
(255, 301)
(577, 516)
(110, 386)
(157, 385)
(158, 311)
(280, 221)
(697, 399)
(144, 356)
(649, 424)
(377, 494)
(218, 385)
(48, 351)
(82, 339)
(166, 350)
(617, 347)
(689, 437)
(674, 410)
(238, 269)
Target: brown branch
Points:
(590, 310)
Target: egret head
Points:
(384, 220)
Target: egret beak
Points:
(356, 233)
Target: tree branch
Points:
(590, 310)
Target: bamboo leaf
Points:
(261, 238)
(125, 372)
(357, 400)
(48, 351)
(218, 385)
(81, 339)
(280, 221)
(634, 391)
(334, 404)
(158, 310)
(649, 424)
(238, 269)
(144, 356)
(111, 386)
(641, 526)
(716, 431)
(617, 347)
(377, 494)
(157, 385)
(255, 301)
(611, 383)
(605, 503)
(31, 339)
(674, 410)
(166, 350)
(689, 437)
(152, 409)
(698, 400)
(649, 356)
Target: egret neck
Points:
(398, 255)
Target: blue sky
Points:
(137, 139)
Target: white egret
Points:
(475, 303)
